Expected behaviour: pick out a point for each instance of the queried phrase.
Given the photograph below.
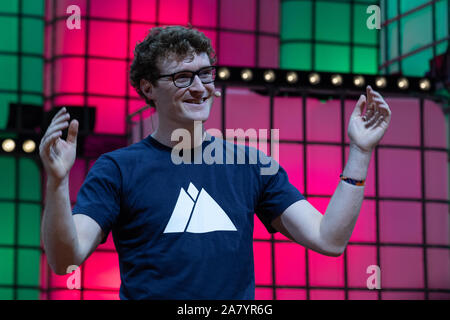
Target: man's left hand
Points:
(367, 127)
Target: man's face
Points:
(181, 106)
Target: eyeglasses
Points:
(184, 79)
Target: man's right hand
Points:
(57, 155)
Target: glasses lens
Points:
(183, 79)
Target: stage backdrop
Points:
(404, 223)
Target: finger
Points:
(370, 121)
(378, 122)
(57, 127)
(59, 115)
(73, 132)
(44, 148)
(58, 121)
(359, 108)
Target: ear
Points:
(146, 88)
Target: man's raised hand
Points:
(58, 155)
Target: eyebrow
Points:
(186, 70)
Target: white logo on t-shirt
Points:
(197, 213)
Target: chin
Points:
(197, 113)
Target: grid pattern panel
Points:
(413, 33)
(21, 62)
(329, 36)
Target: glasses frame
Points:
(194, 73)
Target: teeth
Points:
(195, 101)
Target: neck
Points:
(190, 135)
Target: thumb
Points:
(73, 132)
(359, 106)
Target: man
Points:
(184, 231)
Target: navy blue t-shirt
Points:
(183, 231)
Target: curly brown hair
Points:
(160, 43)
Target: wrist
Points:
(54, 183)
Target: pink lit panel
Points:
(399, 173)
(438, 268)
(363, 295)
(64, 294)
(100, 295)
(107, 39)
(215, 116)
(110, 115)
(263, 267)
(143, 10)
(69, 100)
(268, 52)
(109, 244)
(76, 178)
(291, 294)
(291, 159)
(317, 115)
(358, 259)
(68, 41)
(401, 267)
(402, 295)
(203, 13)
(438, 222)
(404, 128)
(101, 271)
(365, 227)
(259, 231)
(246, 104)
(288, 118)
(69, 75)
(269, 16)
(107, 77)
(115, 9)
(320, 203)
(290, 264)
(242, 19)
(263, 294)
(324, 166)
(436, 181)
(237, 49)
(174, 12)
(435, 129)
(319, 294)
(400, 222)
(61, 6)
(325, 270)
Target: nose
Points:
(197, 84)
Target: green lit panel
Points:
(327, 36)
(6, 267)
(332, 21)
(410, 39)
(29, 224)
(7, 223)
(29, 180)
(20, 219)
(8, 180)
(21, 54)
(296, 56)
(296, 23)
(340, 61)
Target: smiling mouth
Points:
(195, 101)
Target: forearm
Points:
(343, 209)
(59, 234)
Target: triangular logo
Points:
(197, 212)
